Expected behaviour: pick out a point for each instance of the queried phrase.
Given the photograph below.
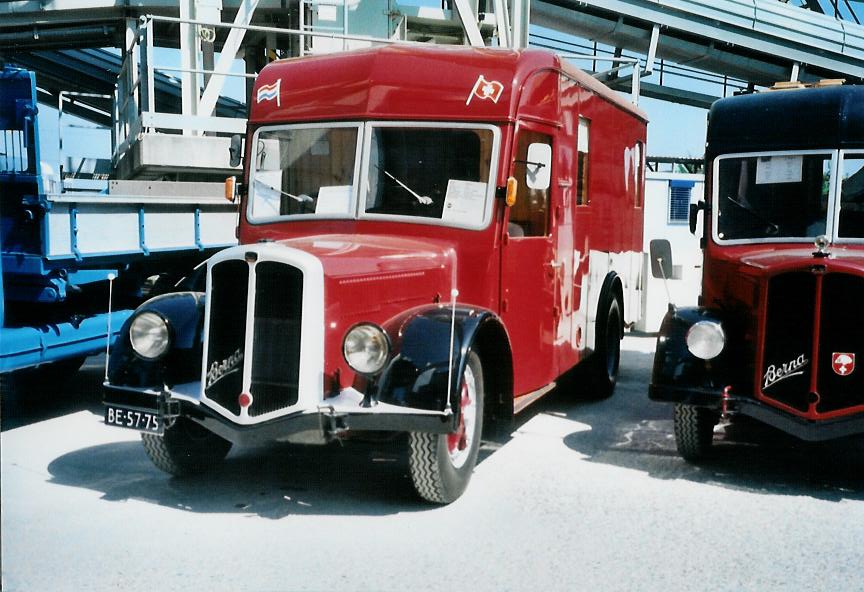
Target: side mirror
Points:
(235, 151)
(660, 252)
(538, 166)
(694, 215)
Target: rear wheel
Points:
(186, 448)
(441, 464)
(607, 354)
(694, 431)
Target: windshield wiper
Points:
(301, 198)
(774, 229)
(421, 198)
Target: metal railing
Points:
(14, 156)
(68, 97)
(135, 109)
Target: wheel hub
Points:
(459, 442)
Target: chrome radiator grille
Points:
(274, 345)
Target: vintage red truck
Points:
(429, 239)
(779, 333)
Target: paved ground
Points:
(583, 496)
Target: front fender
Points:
(417, 375)
(679, 376)
(184, 313)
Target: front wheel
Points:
(441, 464)
(186, 448)
(694, 431)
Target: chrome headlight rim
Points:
(371, 331)
(159, 323)
(706, 339)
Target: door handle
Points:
(553, 267)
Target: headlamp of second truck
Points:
(706, 339)
(149, 335)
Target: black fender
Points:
(679, 376)
(418, 371)
(184, 314)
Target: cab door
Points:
(531, 270)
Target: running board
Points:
(523, 401)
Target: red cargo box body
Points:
(538, 93)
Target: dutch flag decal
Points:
(268, 92)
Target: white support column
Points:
(796, 67)
(229, 53)
(635, 85)
(188, 61)
(521, 17)
(469, 23)
(502, 20)
(652, 50)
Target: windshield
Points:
(773, 196)
(416, 172)
(303, 170)
(851, 221)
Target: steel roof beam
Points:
(753, 39)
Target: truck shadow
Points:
(278, 481)
(36, 400)
(630, 431)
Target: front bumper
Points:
(333, 418)
(804, 429)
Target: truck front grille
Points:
(841, 332)
(274, 363)
(276, 349)
(788, 350)
(223, 380)
(796, 346)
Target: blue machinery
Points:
(59, 249)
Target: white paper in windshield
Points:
(334, 200)
(464, 202)
(268, 199)
(778, 169)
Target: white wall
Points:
(686, 254)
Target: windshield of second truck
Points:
(773, 196)
(423, 172)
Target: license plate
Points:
(143, 421)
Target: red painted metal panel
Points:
(376, 269)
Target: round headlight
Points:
(149, 335)
(366, 348)
(706, 339)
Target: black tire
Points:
(439, 475)
(186, 448)
(694, 431)
(603, 367)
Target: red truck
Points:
(779, 333)
(429, 239)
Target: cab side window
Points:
(582, 142)
(529, 216)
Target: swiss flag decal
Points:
(486, 90)
(843, 363)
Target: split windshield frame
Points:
(360, 185)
